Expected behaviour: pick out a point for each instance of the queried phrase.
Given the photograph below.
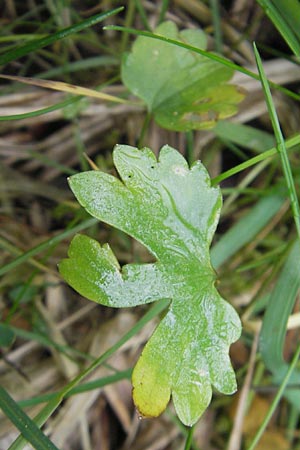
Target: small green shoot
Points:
(173, 210)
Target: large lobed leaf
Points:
(183, 90)
(173, 211)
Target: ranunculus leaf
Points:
(183, 90)
(172, 209)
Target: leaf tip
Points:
(151, 391)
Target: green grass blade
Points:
(290, 9)
(273, 333)
(25, 425)
(246, 229)
(290, 143)
(50, 162)
(46, 245)
(81, 65)
(139, 6)
(285, 15)
(45, 413)
(48, 40)
(215, 10)
(280, 143)
(42, 111)
(21, 37)
(256, 140)
(45, 341)
(84, 387)
(163, 10)
(213, 56)
(279, 308)
(7, 336)
(276, 400)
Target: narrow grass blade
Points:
(45, 341)
(164, 9)
(81, 65)
(276, 400)
(41, 418)
(48, 40)
(45, 245)
(290, 9)
(274, 325)
(7, 336)
(41, 111)
(50, 162)
(280, 143)
(84, 387)
(285, 15)
(279, 308)
(213, 56)
(25, 425)
(215, 10)
(139, 6)
(246, 136)
(290, 143)
(245, 229)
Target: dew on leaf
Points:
(199, 327)
(181, 171)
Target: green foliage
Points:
(183, 90)
(6, 336)
(255, 251)
(173, 210)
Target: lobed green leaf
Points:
(172, 209)
(183, 90)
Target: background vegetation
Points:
(49, 336)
